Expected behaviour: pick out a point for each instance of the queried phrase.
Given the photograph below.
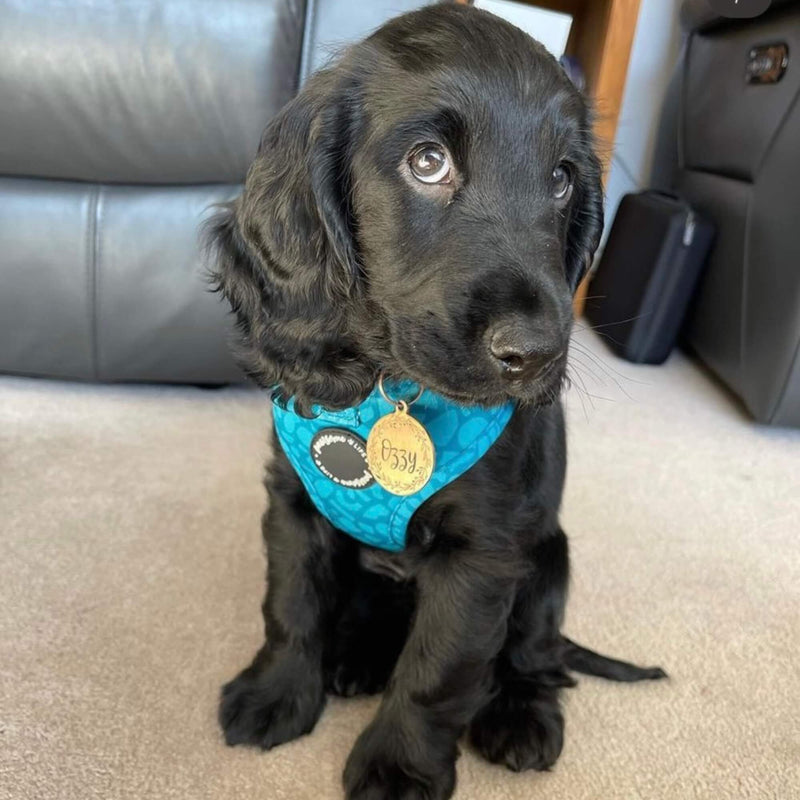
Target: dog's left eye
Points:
(562, 181)
(429, 163)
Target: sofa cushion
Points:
(142, 91)
(108, 283)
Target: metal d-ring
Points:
(401, 405)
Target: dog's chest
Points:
(397, 566)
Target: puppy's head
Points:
(426, 208)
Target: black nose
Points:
(521, 352)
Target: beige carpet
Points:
(131, 579)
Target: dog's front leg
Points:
(522, 725)
(280, 696)
(442, 678)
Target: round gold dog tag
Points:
(400, 453)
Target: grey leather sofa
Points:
(731, 146)
(121, 123)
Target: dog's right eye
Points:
(562, 181)
(429, 163)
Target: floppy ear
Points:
(285, 253)
(295, 212)
(586, 220)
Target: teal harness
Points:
(328, 454)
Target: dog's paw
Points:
(380, 769)
(387, 781)
(350, 677)
(522, 730)
(269, 708)
(365, 651)
(358, 670)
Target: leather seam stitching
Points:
(776, 135)
(91, 243)
(744, 310)
(681, 134)
(306, 43)
(778, 405)
(98, 218)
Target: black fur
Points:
(338, 267)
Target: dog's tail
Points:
(581, 659)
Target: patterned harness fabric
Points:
(461, 436)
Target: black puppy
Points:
(424, 209)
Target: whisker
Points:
(618, 322)
(592, 396)
(607, 371)
(580, 392)
(597, 359)
(592, 373)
